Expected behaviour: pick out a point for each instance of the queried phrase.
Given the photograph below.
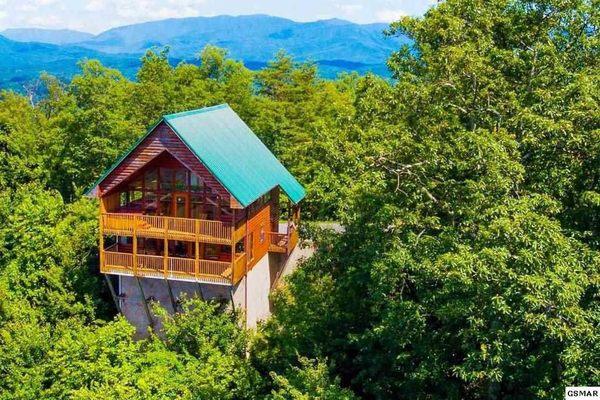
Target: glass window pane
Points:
(151, 177)
(166, 179)
(197, 207)
(211, 251)
(165, 204)
(150, 201)
(181, 179)
(136, 184)
(123, 198)
(135, 196)
(196, 183)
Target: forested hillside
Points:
(469, 188)
(334, 45)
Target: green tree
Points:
(459, 274)
(89, 125)
(21, 142)
(311, 381)
(530, 68)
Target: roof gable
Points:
(233, 153)
(161, 139)
(230, 151)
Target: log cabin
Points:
(194, 207)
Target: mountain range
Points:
(335, 45)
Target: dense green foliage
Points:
(468, 189)
(469, 267)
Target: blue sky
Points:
(97, 15)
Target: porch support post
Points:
(135, 264)
(101, 242)
(146, 308)
(113, 294)
(233, 246)
(197, 251)
(166, 248)
(289, 217)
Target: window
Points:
(136, 184)
(239, 247)
(180, 179)
(166, 179)
(151, 179)
(123, 198)
(135, 196)
(150, 203)
(196, 184)
(165, 204)
(197, 207)
(211, 251)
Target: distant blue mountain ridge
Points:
(52, 36)
(335, 45)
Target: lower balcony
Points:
(120, 260)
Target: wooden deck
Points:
(177, 268)
(283, 242)
(170, 228)
(119, 261)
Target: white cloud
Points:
(45, 21)
(145, 10)
(389, 15)
(95, 5)
(350, 8)
(27, 7)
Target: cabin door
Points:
(181, 205)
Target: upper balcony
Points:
(171, 228)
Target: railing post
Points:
(233, 245)
(197, 250)
(135, 265)
(101, 244)
(166, 248)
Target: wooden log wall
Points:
(160, 140)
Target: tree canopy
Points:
(468, 187)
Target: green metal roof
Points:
(232, 153)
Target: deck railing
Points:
(215, 268)
(171, 228)
(145, 265)
(278, 242)
(284, 242)
(239, 267)
(125, 259)
(115, 260)
(293, 239)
